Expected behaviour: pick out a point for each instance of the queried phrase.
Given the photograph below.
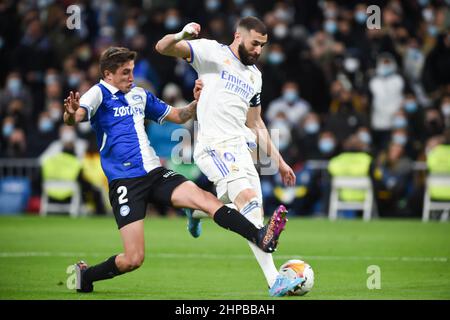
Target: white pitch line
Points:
(225, 256)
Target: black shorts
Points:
(129, 197)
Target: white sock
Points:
(199, 214)
(252, 211)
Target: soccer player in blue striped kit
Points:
(116, 109)
(229, 123)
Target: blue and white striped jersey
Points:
(118, 121)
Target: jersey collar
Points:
(108, 86)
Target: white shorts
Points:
(225, 162)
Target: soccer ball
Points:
(295, 269)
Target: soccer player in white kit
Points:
(229, 121)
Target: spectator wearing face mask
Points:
(7, 125)
(15, 89)
(401, 136)
(41, 136)
(290, 103)
(67, 135)
(364, 136)
(16, 109)
(13, 141)
(274, 72)
(305, 137)
(386, 88)
(414, 114)
(327, 144)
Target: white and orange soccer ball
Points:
(299, 269)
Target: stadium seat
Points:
(60, 189)
(354, 183)
(437, 188)
(351, 188)
(73, 207)
(434, 202)
(14, 194)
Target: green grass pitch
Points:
(413, 257)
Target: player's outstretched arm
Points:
(181, 115)
(257, 125)
(72, 111)
(173, 44)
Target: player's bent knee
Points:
(247, 194)
(240, 189)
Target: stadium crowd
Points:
(330, 83)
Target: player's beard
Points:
(245, 57)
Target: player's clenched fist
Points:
(198, 89)
(190, 31)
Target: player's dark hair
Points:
(252, 23)
(113, 57)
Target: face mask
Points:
(414, 54)
(385, 70)
(212, 5)
(275, 58)
(290, 96)
(360, 17)
(365, 137)
(239, 2)
(330, 26)
(131, 31)
(280, 31)
(399, 123)
(172, 23)
(428, 15)
(432, 31)
(424, 3)
(326, 145)
(51, 79)
(55, 114)
(7, 129)
(311, 127)
(282, 14)
(247, 12)
(400, 139)
(74, 81)
(14, 85)
(410, 106)
(351, 64)
(446, 109)
(46, 125)
(68, 136)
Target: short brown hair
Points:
(252, 23)
(113, 57)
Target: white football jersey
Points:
(229, 89)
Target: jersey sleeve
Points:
(91, 100)
(202, 53)
(155, 109)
